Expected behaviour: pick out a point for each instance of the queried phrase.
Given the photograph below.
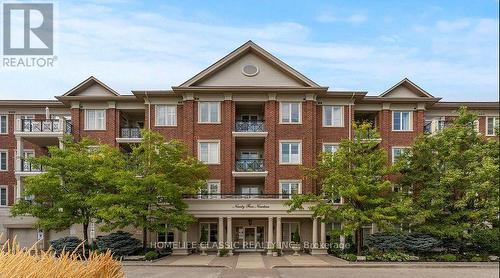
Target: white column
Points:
(18, 188)
(278, 232)
(20, 153)
(61, 143)
(315, 233)
(229, 238)
(270, 236)
(220, 233)
(323, 235)
(184, 237)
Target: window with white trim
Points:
(95, 119)
(209, 112)
(492, 123)
(288, 230)
(333, 116)
(333, 226)
(3, 196)
(4, 160)
(212, 230)
(397, 152)
(291, 152)
(290, 112)
(289, 188)
(4, 128)
(209, 152)
(211, 190)
(166, 115)
(330, 147)
(401, 120)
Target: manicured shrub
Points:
(349, 257)
(413, 242)
(385, 242)
(119, 243)
(151, 255)
(448, 258)
(476, 259)
(223, 252)
(69, 244)
(394, 257)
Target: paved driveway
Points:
(209, 272)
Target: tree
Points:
(61, 194)
(149, 192)
(454, 179)
(357, 171)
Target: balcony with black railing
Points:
(45, 126)
(237, 196)
(130, 132)
(249, 126)
(28, 167)
(250, 165)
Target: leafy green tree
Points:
(61, 194)
(149, 192)
(454, 179)
(357, 171)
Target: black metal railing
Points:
(27, 166)
(440, 125)
(249, 126)
(250, 165)
(130, 132)
(46, 125)
(428, 127)
(236, 196)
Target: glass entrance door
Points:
(250, 238)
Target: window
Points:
(289, 188)
(166, 115)
(290, 152)
(211, 190)
(401, 121)
(209, 112)
(333, 227)
(211, 229)
(397, 152)
(290, 112)
(95, 119)
(492, 123)
(333, 116)
(3, 160)
(330, 147)
(288, 230)
(208, 152)
(3, 196)
(4, 129)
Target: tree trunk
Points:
(144, 237)
(86, 232)
(359, 241)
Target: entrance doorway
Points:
(250, 238)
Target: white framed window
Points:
(211, 190)
(288, 230)
(4, 160)
(166, 115)
(333, 116)
(330, 147)
(4, 124)
(209, 112)
(402, 121)
(289, 188)
(290, 112)
(209, 151)
(4, 196)
(212, 230)
(95, 119)
(290, 152)
(398, 152)
(492, 123)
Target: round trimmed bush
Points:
(68, 244)
(151, 255)
(448, 258)
(119, 243)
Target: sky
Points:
(449, 48)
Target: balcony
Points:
(249, 168)
(129, 135)
(28, 169)
(237, 196)
(433, 126)
(249, 129)
(45, 126)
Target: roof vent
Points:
(250, 70)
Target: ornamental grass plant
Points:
(21, 262)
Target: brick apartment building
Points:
(254, 120)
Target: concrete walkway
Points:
(249, 260)
(194, 260)
(306, 260)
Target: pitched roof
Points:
(237, 53)
(410, 85)
(87, 83)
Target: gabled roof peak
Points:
(410, 85)
(91, 80)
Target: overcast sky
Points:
(449, 48)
